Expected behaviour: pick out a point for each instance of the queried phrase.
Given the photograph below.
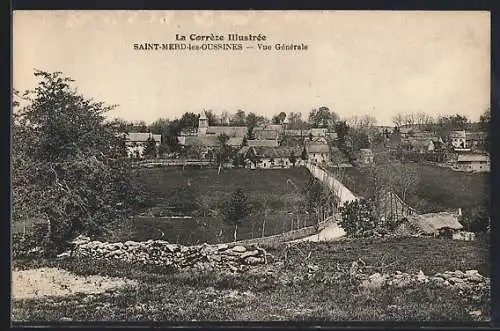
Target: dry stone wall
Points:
(227, 257)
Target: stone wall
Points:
(227, 257)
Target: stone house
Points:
(135, 142)
(458, 139)
(271, 157)
(318, 153)
(476, 140)
(472, 163)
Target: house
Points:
(366, 156)
(472, 163)
(271, 157)
(266, 134)
(421, 145)
(458, 139)
(136, 142)
(318, 152)
(296, 133)
(431, 224)
(263, 143)
(207, 136)
(476, 140)
(318, 132)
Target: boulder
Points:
(238, 249)
(252, 260)
(249, 253)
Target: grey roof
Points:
(266, 134)
(457, 134)
(263, 143)
(473, 158)
(430, 223)
(211, 141)
(142, 137)
(317, 148)
(231, 131)
(276, 152)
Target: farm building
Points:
(476, 140)
(472, 163)
(271, 157)
(136, 141)
(318, 152)
(263, 143)
(458, 139)
(432, 224)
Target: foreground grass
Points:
(284, 290)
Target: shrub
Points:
(358, 218)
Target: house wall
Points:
(319, 157)
(458, 142)
(278, 163)
(476, 166)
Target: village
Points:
(343, 180)
(275, 146)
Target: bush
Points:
(476, 219)
(358, 218)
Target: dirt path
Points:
(329, 233)
(44, 282)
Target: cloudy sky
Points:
(377, 63)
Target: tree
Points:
(69, 166)
(150, 149)
(278, 119)
(238, 119)
(252, 121)
(303, 155)
(293, 158)
(213, 120)
(485, 120)
(295, 121)
(403, 178)
(160, 126)
(236, 209)
(223, 151)
(322, 117)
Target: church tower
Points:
(202, 123)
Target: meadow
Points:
(275, 198)
(438, 189)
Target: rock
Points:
(238, 249)
(222, 247)
(455, 280)
(65, 319)
(250, 253)
(63, 255)
(459, 273)
(374, 281)
(421, 276)
(252, 260)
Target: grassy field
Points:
(438, 189)
(283, 290)
(273, 195)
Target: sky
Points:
(367, 62)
